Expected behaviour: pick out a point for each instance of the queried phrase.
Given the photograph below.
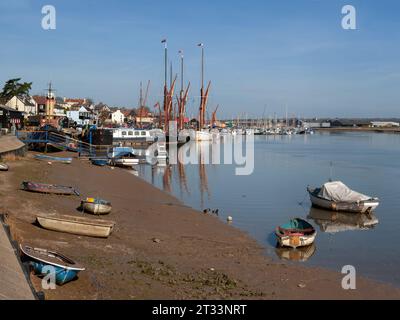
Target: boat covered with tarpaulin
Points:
(337, 196)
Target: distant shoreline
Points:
(360, 129)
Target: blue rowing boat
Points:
(100, 162)
(42, 262)
(53, 159)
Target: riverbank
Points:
(359, 129)
(197, 256)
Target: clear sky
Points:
(262, 55)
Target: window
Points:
(124, 133)
(143, 133)
(130, 133)
(136, 133)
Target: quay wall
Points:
(10, 144)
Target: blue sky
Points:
(262, 55)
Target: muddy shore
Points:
(197, 257)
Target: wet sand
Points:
(198, 256)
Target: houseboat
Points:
(132, 136)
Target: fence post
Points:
(47, 141)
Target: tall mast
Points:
(170, 70)
(165, 60)
(141, 95)
(182, 69)
(165, 107)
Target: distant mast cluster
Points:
(168, 107)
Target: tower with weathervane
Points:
(50, 102)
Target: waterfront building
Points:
(24, 104)
(68, 102)
(9, 117)
(41, 102)
(81, 116)
(384, 124)
(117, 117)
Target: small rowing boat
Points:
(3, 167)
(76, 225)
(42, 260)
(49, 188)
(100, 162)
(96, 206)
(296, 233)
(53, 159)
(336, 196)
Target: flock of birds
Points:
(216, 213)
(209, 211)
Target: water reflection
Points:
(300, 254)
(334, 222)
(284, 166)
(199, 154)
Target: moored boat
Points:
(53, 159)
(96, 206)
(296, 233)
(49, 188)
(100, 162)
(41, 259)
(336, 196)
(3, 167)
(125, 159)
(76, 225)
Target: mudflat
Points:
(160, 248)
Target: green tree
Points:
(15, 88)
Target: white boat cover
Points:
(337, 191)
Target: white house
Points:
(81, 116)
(117, 117)
(23, 104)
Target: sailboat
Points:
(203, 134)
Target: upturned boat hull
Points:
(352, 207)
(77, 225)
(48, 188)
(3, 167)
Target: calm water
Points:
(276, 192)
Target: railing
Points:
(64, 143)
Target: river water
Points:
(276, 191)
